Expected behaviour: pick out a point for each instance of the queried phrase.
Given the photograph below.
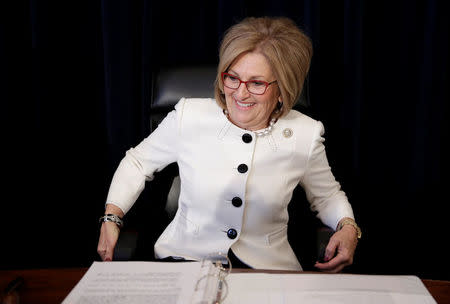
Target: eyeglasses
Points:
(257, 87)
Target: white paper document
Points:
(200, 283)
(264, 288)
(136, 283)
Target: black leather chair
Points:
(307, 235)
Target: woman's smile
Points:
(244, 105)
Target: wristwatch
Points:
(349, 221)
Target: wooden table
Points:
(49, 286)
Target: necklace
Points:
(266, 131)
(263, 132)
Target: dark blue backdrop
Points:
(76, 83)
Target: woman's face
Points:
(246, 110)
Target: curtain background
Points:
(75, 89)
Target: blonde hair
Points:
(287, 49)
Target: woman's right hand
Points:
(109, 234)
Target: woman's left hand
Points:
(344, 243)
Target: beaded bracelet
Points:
(112, 218)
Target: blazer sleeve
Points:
(322, 190)
(140, 163)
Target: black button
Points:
(232, 233)
(236, 201)
(242, 168)
(247, 138)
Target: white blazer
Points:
(233, 193)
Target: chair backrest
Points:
(171, 84)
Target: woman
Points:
(240, 158)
